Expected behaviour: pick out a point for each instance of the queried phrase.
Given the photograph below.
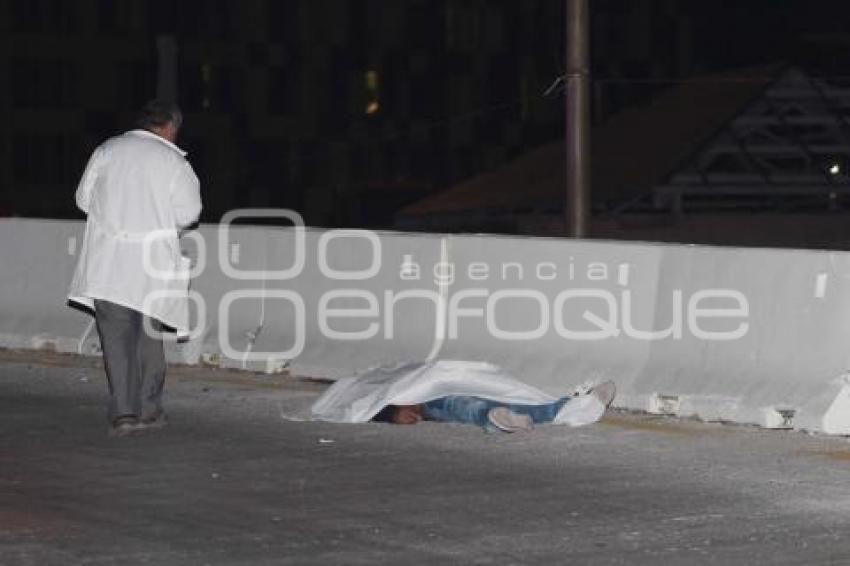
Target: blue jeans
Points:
(473, 410)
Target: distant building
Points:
(759, 156)
(345, 110)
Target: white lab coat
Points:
(138, 191)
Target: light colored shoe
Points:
(580, 411)
(507, 421)
(588, 408)
(605, 392)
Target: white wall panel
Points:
(787, 370)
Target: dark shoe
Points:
(123, 426)
(154, 422)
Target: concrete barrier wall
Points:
(545, 269)
(269, 313)
(788, 368)
(746, 335)
(37, 259)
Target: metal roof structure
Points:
(788, 149)
(755, 139)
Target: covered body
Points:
(359, 398)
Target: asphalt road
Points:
(230, 482)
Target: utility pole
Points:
(577, 97)
(166, 68)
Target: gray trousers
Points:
(134, 361)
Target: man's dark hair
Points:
(385, 415)
(157, 113)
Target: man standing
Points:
(138, 191)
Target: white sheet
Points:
(358, 398)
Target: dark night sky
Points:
(720, 34)
(733, 33)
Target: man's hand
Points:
(407, 414)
